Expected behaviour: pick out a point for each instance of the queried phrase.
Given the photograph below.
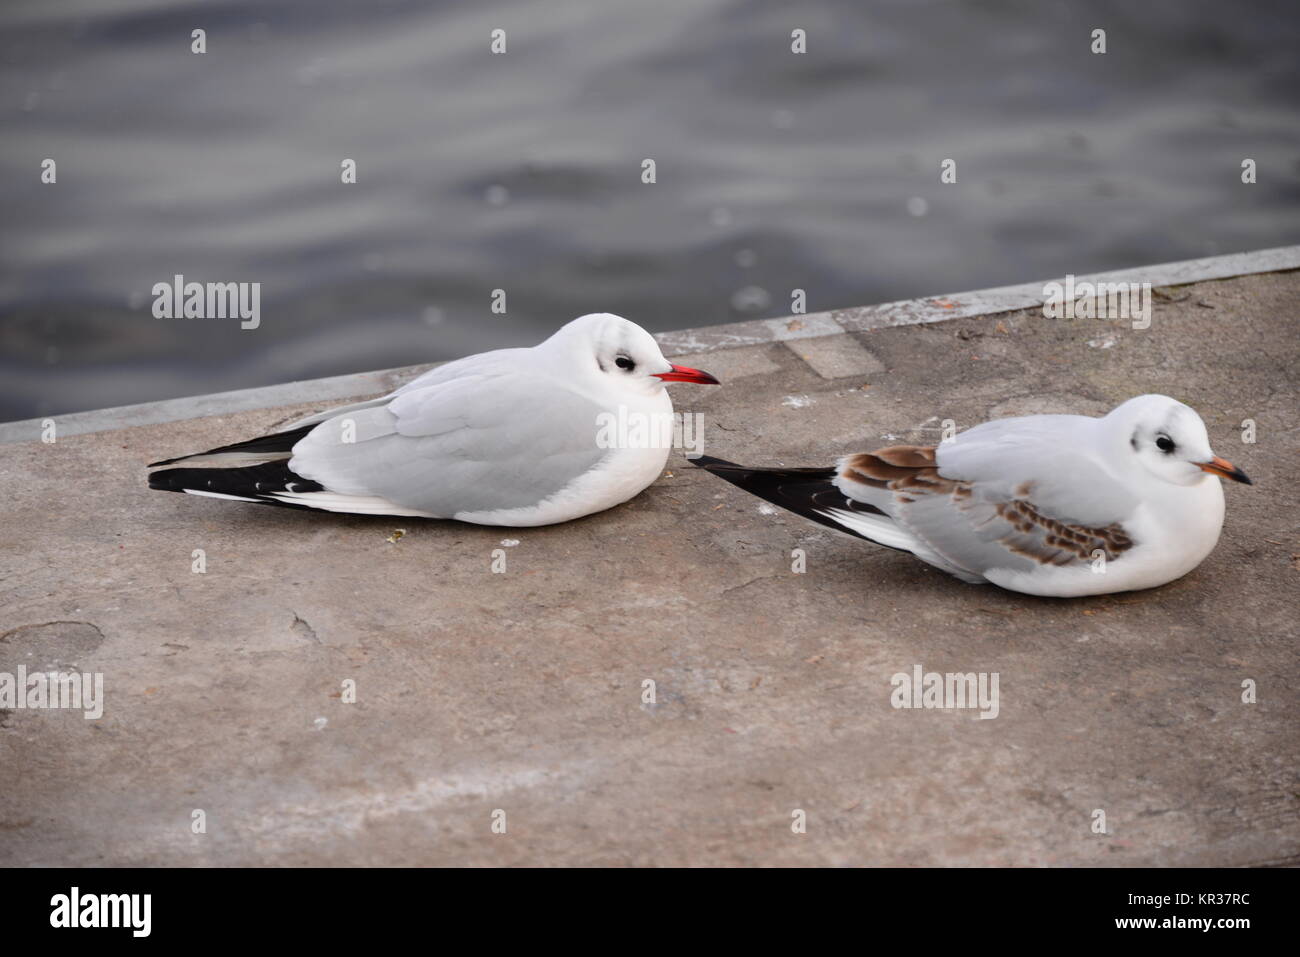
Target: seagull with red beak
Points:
(515, 437)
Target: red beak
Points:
(687, 374)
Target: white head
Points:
(1167, 439)
(621, 352)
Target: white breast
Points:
(1173, 533)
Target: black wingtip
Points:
(178, 480)
(809, 492)
(158, 482)
(256, 483)
(274, 444)
(760, 473)
(709, 462)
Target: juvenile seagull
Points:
(510, 437)
(1058, 505)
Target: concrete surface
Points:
(522, 691)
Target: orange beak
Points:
(687, 374)
(1218, 466)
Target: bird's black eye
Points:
(623, 362)
(1164, 443)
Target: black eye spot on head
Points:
(1165, 444)
(623, 362)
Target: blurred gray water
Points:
(522, 171)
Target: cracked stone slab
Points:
(836, 357)
(804, 327)
(49, 645)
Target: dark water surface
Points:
(522, 171)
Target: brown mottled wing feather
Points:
(967, 523)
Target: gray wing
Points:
(1042, 458)
(471, 442)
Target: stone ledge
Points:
(687, 341)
